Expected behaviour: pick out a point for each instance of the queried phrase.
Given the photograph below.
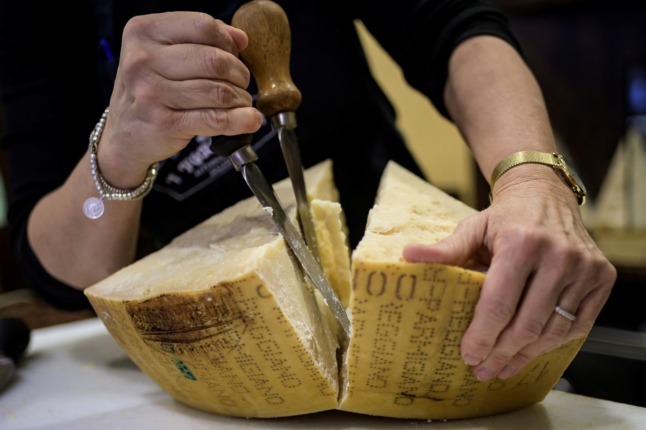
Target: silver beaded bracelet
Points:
(93, 207)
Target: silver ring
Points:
(559, 310)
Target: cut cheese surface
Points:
(407, 209)
(333, 246)
(408, 319)
(224, 320)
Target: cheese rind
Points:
(404, 358)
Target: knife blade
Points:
(239, 151)
(267, 55)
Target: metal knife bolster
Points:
(242, 157)
(285, 123)
(284, 120)
(265, 194)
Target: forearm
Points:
(74, 249)
(495, 102)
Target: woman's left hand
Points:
(540, 256)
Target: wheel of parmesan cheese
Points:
(224, 320)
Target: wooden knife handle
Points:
(268, 54)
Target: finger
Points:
(524, 340)
(160, 133)
(239, 38)
(201, 94)
(560, 330)
(503, 287)
(191, 61)
(457, 249)
(540, 296)
(591, 304)
(172, 28)
(183, 125)
(549, 307)
(555, 332)
(229, 122)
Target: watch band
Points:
(552, 159)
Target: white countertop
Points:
(76, 377)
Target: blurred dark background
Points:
(582, 52)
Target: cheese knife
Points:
(239, 151)
(267, 55)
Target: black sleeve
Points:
(420, 35)
(51, 290)
(47, 80)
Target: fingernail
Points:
(507, 372)
(485, 374)
(472, 360)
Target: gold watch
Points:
(556, 161)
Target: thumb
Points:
(462, 246)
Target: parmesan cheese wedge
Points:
(220, 320)
(223, 319)
(404, 359)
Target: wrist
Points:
(530, 181)
(555, 162)
(119, 171)
(93, 207)
(117, 164)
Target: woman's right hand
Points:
(179, 76)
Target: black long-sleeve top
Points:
(57, 65)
